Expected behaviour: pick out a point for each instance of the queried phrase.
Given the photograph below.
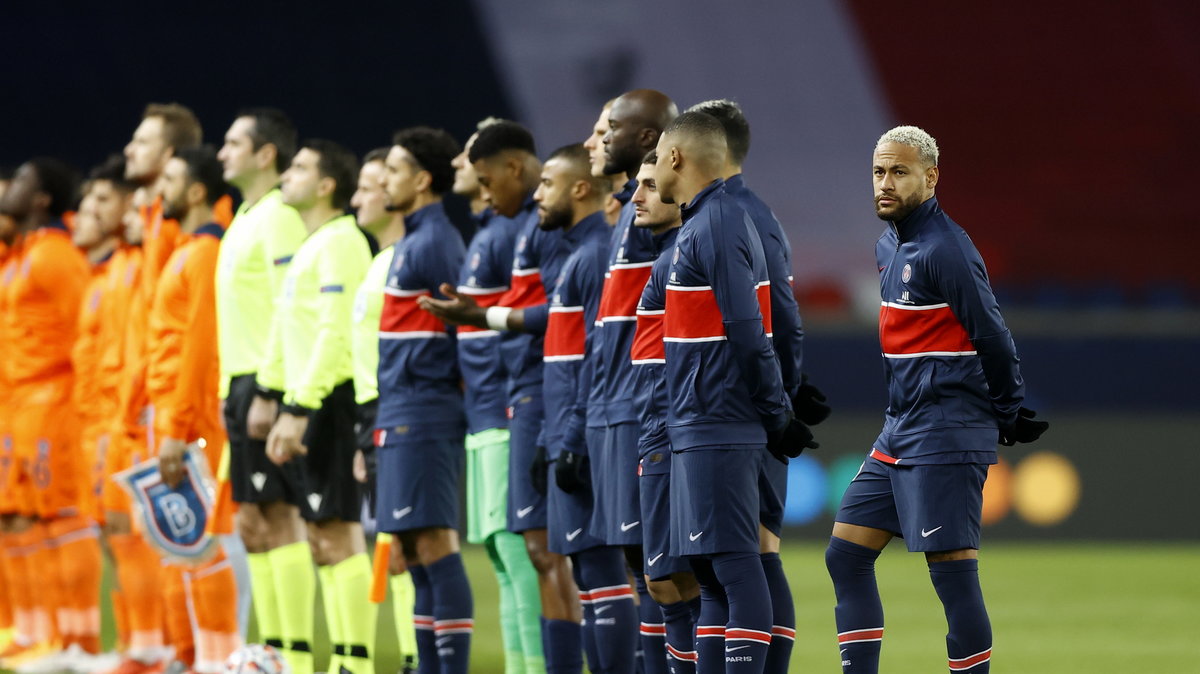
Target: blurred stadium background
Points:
(1068, 141)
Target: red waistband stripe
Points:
(880, 456)
(855, 636)
(963, 664)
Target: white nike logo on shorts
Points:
(925, 534)
(652, 560)
(571, 536)
(627, 527)
(737, 648)
(695, 536)
(402, 512)
(524, 511)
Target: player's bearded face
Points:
(901, 181)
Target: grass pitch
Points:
(1078, 607)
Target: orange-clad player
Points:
(97, 233)
(182, 380)
(163, 130)
(61, 553)
(7, 606)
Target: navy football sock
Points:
(453, 612)
(423, 618)
(681, 648)
(613, 621)
(560, 642)
(653, 630)
(710, 626)
(694, 609)
(859, 612)
(587, 625)
(783, 609)
(748, 632)
(969, 640)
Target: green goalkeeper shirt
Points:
(254, 256)
(309, 352)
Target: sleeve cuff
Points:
(267, 393)
(296, 410)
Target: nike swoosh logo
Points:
(524, 511)
(695, 536)
(925, 534)
(403, 512)
(737, 648)
(602, 609)
(655, 558)
(627, 527)
(571, 536)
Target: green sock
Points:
(510, 548)
(333, 617)
(358, 614)
(262, 589)
(514, 657)
(295, 595)
(403, 599)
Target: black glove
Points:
(539, 469)
(791, 440)
(809, 403)
(1026, 428)
(572, 472)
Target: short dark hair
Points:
(204, 168)
(272, 126)
(338, 163)
(181, 129)
(733, 120)
(651, 157)
(580, 158)
(433, 149)
(695, 123)
(500, 136)
(378, 154)
(113, 170)
(59, 180)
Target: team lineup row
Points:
(613, 360)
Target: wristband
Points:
(497, 317)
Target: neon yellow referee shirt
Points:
(368, 306)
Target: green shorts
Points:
(487, 483)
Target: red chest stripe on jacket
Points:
(403, 319)
(623, 286)
(693, 316)
(484, 297)
(930, 330)
(565, 334)
(526, 290)
(648, 338)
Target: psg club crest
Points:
(906, 273)
(173, 519)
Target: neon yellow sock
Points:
(353, 581)
(262, 590)
(404, 596)
(333, 617)
(295, 595)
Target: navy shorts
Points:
(568, 518)
(613, 451)
(933, 507)
(655, 498)
(526, 507)
(772, 493)
(420, 470)
(715, 501)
